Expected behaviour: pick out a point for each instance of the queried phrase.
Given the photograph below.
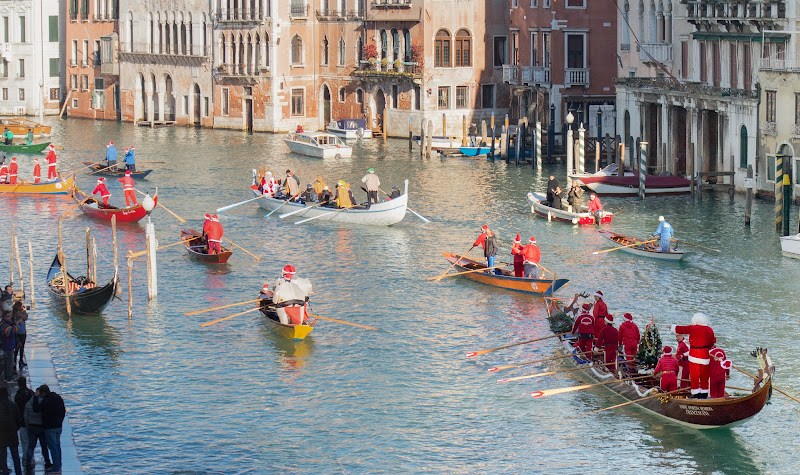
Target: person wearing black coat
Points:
(51, 406)
(10, 422)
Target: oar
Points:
(284, 215)
(423, 218)
(58, 147)
(226, 208)
(219, 308)
(454, 263)
(340, 321)
(629, 402)
(773, 386)
(74, 208)
(281, 205)
(472, 354)
(228, 317)
(553, 392)
(623, 247)
(695, 245)
(87, 166)
(517, 365)
(151, 162)
(437, 278)
(324, 214)
(545, 269)
(240, 247)
(557, 371)
(167, 209)
(101, 169)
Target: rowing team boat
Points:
(131, 214)
(538, 207)
(60, 186)
(114, 170)
(24, 148)
(505, 279)
(644, 249)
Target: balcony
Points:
(660, 52)
(769, 128)
(239, 15)
(391, 4)
(239, 73)
(339, 15)
(536, 75)
(145, 53)
(778, 64)
(298, 11)
(377, 72)
(576, 77)
(511, 74)
(665, 85)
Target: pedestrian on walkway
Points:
(19, 315)
(10, 422)
(21, 398)
(51, 407)
(35, 430)
(8, 343)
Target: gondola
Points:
(85, 297)
(650, 249)
(114, 171)
(288, 331)
(198, 249)
(506, 278)
(95, 209)
(677, 407)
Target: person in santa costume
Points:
(599, 312)
(668, 367)
(214, 232)
(51, 163)
(584, 327)
(104, 193)
(701, 340)
(607, 342)
(516, 251)
(718, 371)
(37, 171)
(12, 171)
(629, 337)
(128, 188)
(682, 355)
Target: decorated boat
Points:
(85, 296)
(790, 246)
(24, 148)
(61, 186)
(95, 208)
(538, 207)
(505, 279)
(289, 331)
(645, 249)
(114, 171)
(19, 126)
(350, 129)
(726, 411)
(384, 213)
(198, 248)
(318, 144)
(628, 185)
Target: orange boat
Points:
(19, 126)
(506, 279)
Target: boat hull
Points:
(650, 250)
(90, 207)
(507, 280)
(540, 209)
(290, 332)
(25, 149)
(19, 126)
(628, 185)
(116, 172)
(314, 144)
(89, 302)
(790, 246)
(195, 244)
(474, 151)
(59, 187)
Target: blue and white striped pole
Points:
(581, 149)
(642, 168)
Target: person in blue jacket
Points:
(130, 159)
(664, 231)
(111, 154)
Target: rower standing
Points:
(29, 136)
(214, 232)
(130, 159)
(595, 208)
(584, 327)
(3, 172)
(519, 261)
(290, 296)
(372, 184)
(701, 340)
(629, 337)
(530, 259)
(128, 189)
(104, 193)
(488, 241)
(51, 163)
(608, 341)
(344, 195)
(292, 186)
(718, 371)
(12, 171)
(664, 231)
(682, 355)
(37, 171)
(9, 136)
(111, 154)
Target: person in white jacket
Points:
(290, 296)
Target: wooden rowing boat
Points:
(95, 208)
(19, 126)
(697, 413)
(23, 148)
(198, 249)
(57, 187)
(506, 279)
(288, 331)
(85, 297)
(536, 200)
(651, 249)
(99, 169)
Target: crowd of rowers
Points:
(318, 193)
(574, 198)
(702, 360)
(288, 298)
(9, 173)
(526, 257)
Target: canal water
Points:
(158, 393)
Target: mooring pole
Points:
(748, 206)
(642, 168)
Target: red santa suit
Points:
(595, 205)
(584, 327)
(668, 367)
(682, 355)
(128, 189)
(214, 232)
(51, 164)
(37, 171)
(12, 171)
(718, 370)
(3, 173)
(629, 336)
(701, 340)
(607, 341)
(104, 193)
(516, 251)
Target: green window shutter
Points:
(54, 29)
(53, 67)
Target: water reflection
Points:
(291, 356)
(100, 339)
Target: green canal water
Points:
(158, 393)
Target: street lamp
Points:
(570, 147)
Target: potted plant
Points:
(385, 64)
(398, 65)
(371, 54)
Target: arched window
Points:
(626, 31)
(441, 50)
(359, 96)
(342, 95)
(266, 50)
(360, 49)
(463, 48)
(384, 42)
(297, 50)
(743, 147)
(342, 51)
(395, 44)
(130, 31)
(151, 33)
(223, 53)
(324, 55)
(407, 41)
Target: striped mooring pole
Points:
(538, 145)
(581, 149)
(778, 193)
(642, 167)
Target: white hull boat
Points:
(349, 129)
(536, 200)
(790, 246)
(318, 144)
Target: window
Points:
(487, 96)
(444, 97)
(743, 146)
(297, 50)
(359, 96)
(85, 53)
(771, 168)
(97, 53)
(515, 48)
(746, 67)
(224, 104)
(575, 56)
(534, 3)
(324, 55)
(73, 81)
(84, 82)
(716, 66)
(546, 50)
(342, 95)
(22, 68)
(186, 105)
(463, 48)
(5, 29)
(441, 49)
(462, 97)
(5, 68)
(395, 95)
(298, 106)
(55, 94)
(53, 19)
(500, 50)
(384, 42)
(545, 3)
(205, 107)
(417, 97)
(21, 94)
(684, 59)
(534, 48)
(22, 29)
(576, 4)
(5, 93)
(797, 108)
(703, 65)
(74, 58)
(734, 68)
(771, 96)
(342, 51)
(99, 94)
(626, 31)
(53, 67)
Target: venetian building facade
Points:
(165, 61)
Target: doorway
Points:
(197, 117)
(326, 105)
(248, 105)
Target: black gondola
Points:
(84, 296)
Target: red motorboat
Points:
(95, 208)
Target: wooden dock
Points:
(156, 123)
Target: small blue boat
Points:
(474, 151)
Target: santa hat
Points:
(289, 269)
(717, 352)
(109, 144)
(265, 287)
(100, 180)
(485, 227)
(13, 159)
(610, 319)
(592, 196)
(517, 239)
(127, 173)
(532, 240)
(667, 350)
(598, 294)
(126, 149)
(214, 218)
(52, 147)
(208, 217)
(628, 317)
(132, 147)
(586, 306)
(36, 160)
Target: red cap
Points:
(628, 316)
(485, 227)
(517, 238)
(208, 217)
(598, 294)
(667, 350)
(610, 319)
(214, 217)
(110, 143)
(132, 147)
(13, 159)
(127, 172)
(100, 181)
(592, 196)
(289, 269)
(533, 240)
(265, 286)
(586, 306)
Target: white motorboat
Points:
(610, 170)
(318, 144)
(350, 129)
(790, 246)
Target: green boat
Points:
(20, 148)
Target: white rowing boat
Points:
(537, 200)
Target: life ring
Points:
(360, 132)
(574, 220)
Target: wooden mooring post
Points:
(748, 205)
(410, 132)
(30, 269)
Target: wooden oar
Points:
(549, 373)
(281, 205)
(101, 169)
(240, 247)
(695, 245)
(220, 307)
(87, 166)
(623, 247)
(228, 317)
(58, 147)
(340, 321)
(74, 208)
(545, 269)
(517, 365)
(423, 218)
(438, 278)
(324, 214)
(773, 386)
(472, 354)
(553, 392)
(284, 215)
(454, 263)
(226, 208)
(167, 209)
(135, 255)
(629, 402)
